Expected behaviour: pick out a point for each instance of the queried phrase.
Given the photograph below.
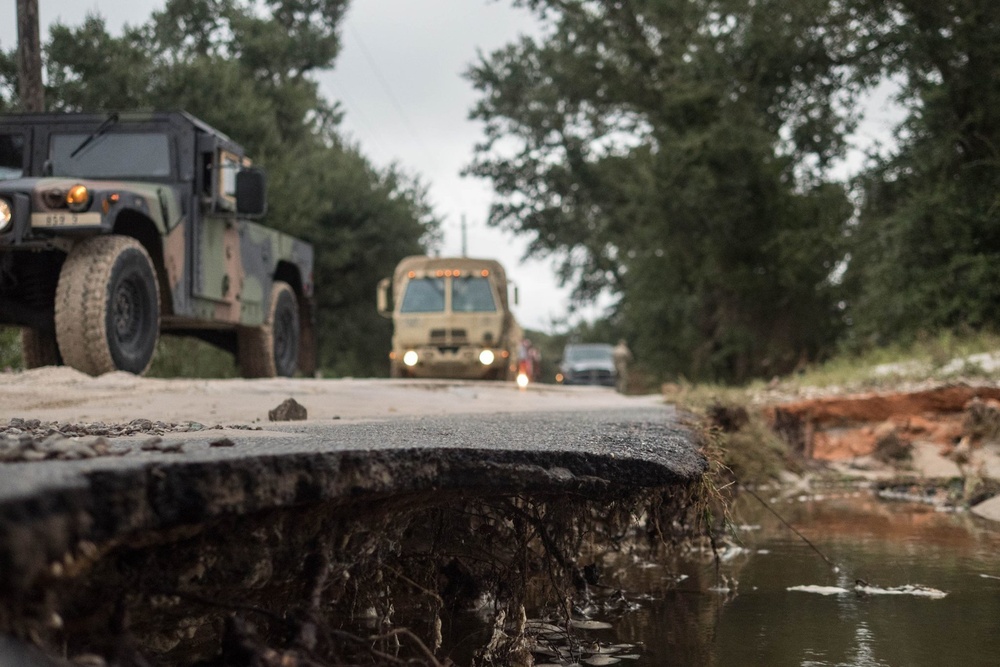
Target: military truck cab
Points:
(115, 227)
(451, 319)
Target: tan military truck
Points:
(115, 227)
(451, 319)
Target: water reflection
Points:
(885, 545)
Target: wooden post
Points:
(29, 57)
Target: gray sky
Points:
(399, 78)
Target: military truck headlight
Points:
(486, 357)
(6, 215)
(410, 358)
(78, 198)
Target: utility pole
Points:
(465, 252)
(29, 57)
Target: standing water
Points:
(912, 586)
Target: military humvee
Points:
(116, 227)
(451, 319)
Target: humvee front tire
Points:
(39, 348)
(272, 348)
(108, 306)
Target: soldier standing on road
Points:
(622, 357)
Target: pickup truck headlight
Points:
(486, 357)
(6, 215)
(410, 358)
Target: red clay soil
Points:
(845, 427)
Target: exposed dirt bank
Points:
(909, 442)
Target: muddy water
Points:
(746, 614)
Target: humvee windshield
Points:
(11, 155)
(116, 155)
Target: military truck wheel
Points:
(272, 348)
(39, 348)
(108, 306)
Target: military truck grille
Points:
(445, 336)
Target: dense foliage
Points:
(925, 255)
(678, 154)
(250, 73)
(674, 152)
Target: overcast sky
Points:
(399, 79)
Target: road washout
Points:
(934, 442)
(326, 541)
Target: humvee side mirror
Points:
(382, 298)
(251, 192)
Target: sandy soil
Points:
(64, 395)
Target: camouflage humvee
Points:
(115, 227)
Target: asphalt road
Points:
(402, 439)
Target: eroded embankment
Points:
(887, 424)
(277, 550)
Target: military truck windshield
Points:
(145, 155)
(472, 295)
(11, 155)
(423, 295)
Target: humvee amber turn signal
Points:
(78, 198)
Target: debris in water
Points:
(601, 660)
(590, 625)
(822, 590)
(909, 589)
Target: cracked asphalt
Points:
(365, 440)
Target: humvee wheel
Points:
(108, 306)
(272, 348)
(39, 348)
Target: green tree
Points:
(925, 253)
(675, 152)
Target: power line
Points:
(392, 98)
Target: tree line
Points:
(248, 68)
(681, 154)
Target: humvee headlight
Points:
(486, 357)
(410, 358)
(78, 198)
(6, 215)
